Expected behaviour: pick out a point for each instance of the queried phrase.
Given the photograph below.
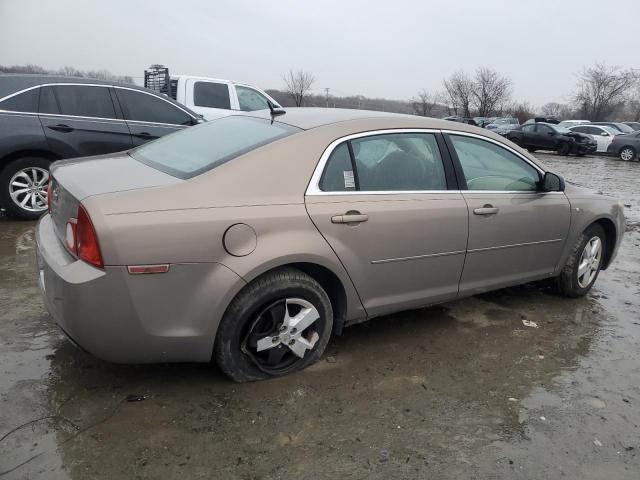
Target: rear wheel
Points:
(23, 187)
(627, 154)
(278, 324)
(584, 264)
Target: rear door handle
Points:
(486, 210)
(143, 134)
(61, 127)
(350, 217)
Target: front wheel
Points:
(584, 264)
(278, 324)
(627, 154)
(563, 149)
(23, 188)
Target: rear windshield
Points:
(195, 150)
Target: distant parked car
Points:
(621, 127)
(46, 118)
(602, 134)
(545, 136)
(210, 97)
(506, 122)
(634, 125)
(552, 120)
(625, 147)
(483, 121)
(455, 118)
(572, 123)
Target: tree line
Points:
(67, 72)
(602, 93)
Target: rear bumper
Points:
(123, 318)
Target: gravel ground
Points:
(460, 390)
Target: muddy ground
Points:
(461, 390)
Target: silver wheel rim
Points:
(626, 154)
(28, 189)
(589, 262)
(291, 329)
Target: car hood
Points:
(87, 176)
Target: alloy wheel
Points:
(589, 262)
(626, 154)
(281, 334)
(28, 189)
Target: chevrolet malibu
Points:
(251, 239)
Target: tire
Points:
(569, 282)
(627, 154)
(263, 302)
(20, 175)
(563, 149)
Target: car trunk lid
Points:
(72, 181)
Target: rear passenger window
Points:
(211, 95)
(143, 107)
(338, 174)
(23, 102)
(48, 102)
(399, 161)
(85, 101)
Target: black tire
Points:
(563, 149)
(12, 208)
(567, 282)
(627, 153)
(231, 351)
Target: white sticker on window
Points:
(349, 181)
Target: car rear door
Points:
(80, 120)
(149, 116)
(388, 205)
(211, 99)
(516, 232)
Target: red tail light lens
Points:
(81, 239)
(87, 240)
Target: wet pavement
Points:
(460, 390)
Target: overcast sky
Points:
(391, 48)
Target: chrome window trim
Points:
(159, 97)
(313, 188)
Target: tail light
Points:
(81, 239)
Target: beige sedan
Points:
(249, 240)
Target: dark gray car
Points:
(45, 118)
(625, 147)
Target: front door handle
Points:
(61, 127)
(351, 216)
(486, 210)
(143, 135)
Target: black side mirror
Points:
(552, 183)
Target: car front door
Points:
(210, 99)
(545, 137)
(389, 207)
(516, 231)
(148, 116)
(81, 120)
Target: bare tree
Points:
(551, 109)
(490, 91)
(520, 110)
(298, 84)
(603, 89)
(424, 103)
(459, 90)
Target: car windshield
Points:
(195, 150)
(609, 129)
(624, 128)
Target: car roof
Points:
(307, 118)
(12, 83)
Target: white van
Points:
(210, 97)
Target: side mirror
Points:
(552, 183)
(604, 134)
